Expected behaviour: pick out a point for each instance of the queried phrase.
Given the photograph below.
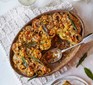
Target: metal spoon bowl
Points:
(58, 53)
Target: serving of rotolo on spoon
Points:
(56, 53)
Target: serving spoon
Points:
(58, 53)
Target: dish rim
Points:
(71, 77)
(29, 23)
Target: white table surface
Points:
(8, 77)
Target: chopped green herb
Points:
(33, 77)
(44, 28)
(24, 62)
(72, 22)
(31, 44)
(82, 59)
(88, 73)
(36, 59)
